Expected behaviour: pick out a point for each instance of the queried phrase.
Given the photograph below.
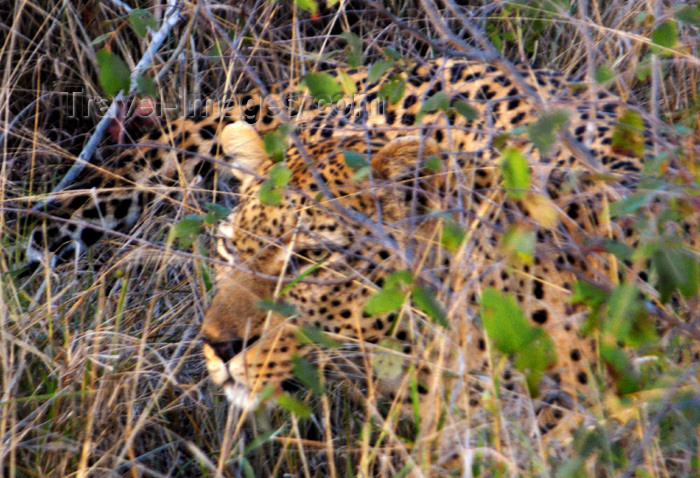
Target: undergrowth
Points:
(100, 361)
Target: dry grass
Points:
(100, 366)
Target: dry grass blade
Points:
(101, 368)
(171, 19)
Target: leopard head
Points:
(323, 248)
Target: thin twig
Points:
(379, 234)
(122, 5)
(506, 66)
(172, 18)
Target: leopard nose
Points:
(228, 349)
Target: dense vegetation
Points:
(100, 366)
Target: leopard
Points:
(335, 233)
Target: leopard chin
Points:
(237, 393)
(240, 396)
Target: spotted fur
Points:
(355, 232)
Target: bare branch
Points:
(172, 18)
(506, 66)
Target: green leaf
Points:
(377, 70)
(392, 53)
(306, 373)
(354, 53)
(691, 286)
(619, 249)
(541, 208)
(247, 468)
(101, 38)
(361, 174)
(505, 322)
(543, 131)
(280, 174)
(392, 295)
(215, 213)
(114, 74)
(695, 462)
(624, 302)
(664, 36)
(387, 362)
(347, 84)
(315, 336)
(260, 439)
(146, 86)
(425, 300)
(625, 374)
(516, 173)
(603, 74)
(630, 204)
(415, 397)
(278, 307)
(464, 109)
(510, 332)
(269, 194)
(500, 139)
(440, 101)
(519, 243)
(142, 19)
(217, 49)
(294, 406)
(286, 129)
(393, 90)
(452, 235)
(301, 276)
(643, 19)
(644, 68)
(574, 467)
(275, 145)
(267, 392)
(585, 293)
(355, 160)
(323, 86)
(628, 136)
(398, 279)
(433, 164)
(308, 6)
(271, 189)
(689, 15)
(537, 358)
(186, 230)
(385, 300)
(207, 278)
(675, 270)
(628, 320)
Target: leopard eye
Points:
(314, 255)
(304, 258)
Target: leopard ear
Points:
(396, 163)
(398, 156)
(243, 143)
